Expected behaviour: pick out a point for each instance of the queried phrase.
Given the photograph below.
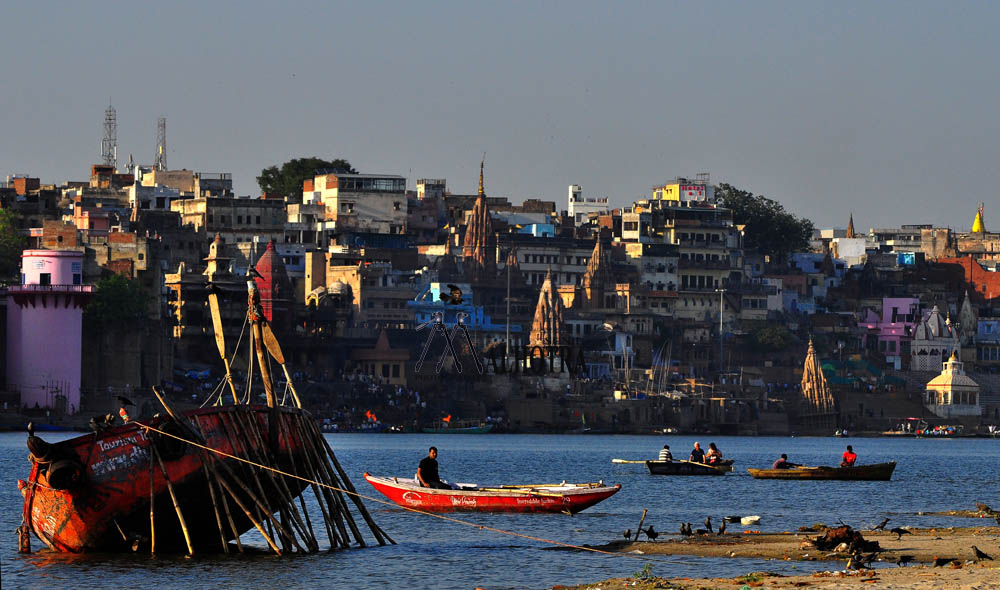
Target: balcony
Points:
(60, 289)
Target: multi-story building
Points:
(374, 203)
(685, 189)
(580, 208)
(235, 220)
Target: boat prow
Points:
(561, 497)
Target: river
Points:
(932, 475)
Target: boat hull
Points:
(685, 468)
(479, 429)
(513, 499)
(108, 510)
(873, 472)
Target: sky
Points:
(884, 109)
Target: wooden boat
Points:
(562, 497)
(873, 472)
(92, 492)
(463, 427)
(688, 468)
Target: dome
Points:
(273, 285)
(339, 288)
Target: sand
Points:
(924, 545)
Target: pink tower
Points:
(45, 329)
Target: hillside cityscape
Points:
(699, 307)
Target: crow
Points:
(902, 560)
(38, 447)
(980, 554)
(701, 531)
(881, 526)
(686, 529)
(651, 534)
(899, 532)
(722, 528)
(454, 297)
(252, 272)
(942, 561)
(124, 401)
(627, 534)
(997, 517)
(708, 523)
(855, 562)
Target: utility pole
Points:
(506, 344)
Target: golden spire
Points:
(978, 227)
(483, 161)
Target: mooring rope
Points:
(407, 508)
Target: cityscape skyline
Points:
(828, 109)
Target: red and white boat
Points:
(561, 497)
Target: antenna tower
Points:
(160, 159)
(109, 145)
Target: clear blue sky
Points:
(886, 109)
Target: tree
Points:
(771, 338)
(287, 180)
(117, 303)
(12, 243)
(770, 229)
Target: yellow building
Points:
(683, 189)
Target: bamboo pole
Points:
(229, 515)
(177, 506)
(275, 349)
(152, 502)
(246, 511)
(211, 490)
(337, 508)
(639, 528)
(286, 433)
(376, 530)
(234, 433)
(313, 476)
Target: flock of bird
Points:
(857, 561)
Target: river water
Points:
(932, 475)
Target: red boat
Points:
(562, 497)
(92, 492)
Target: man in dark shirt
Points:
(427, 471)
(697, 455)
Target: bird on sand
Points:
(881, 526)
(997, 517)
(899, 532)
(708, 523)
(942, 561)
(651, 534)
(686, 529)
(980, 554)
(902, 560)
(855, 562)
(627, 534)
(722, 527)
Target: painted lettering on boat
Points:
(109, 444)
(412, 498)
(462, 501)
(125, 453)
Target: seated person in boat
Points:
(427, 471)
(697, 455)
(849, 457)
(713, 456)
(783, 463)
(665, 454)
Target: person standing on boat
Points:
(697, 455)
(714, 455)
(849, 457)
(665, 454)
(427, 471)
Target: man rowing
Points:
(427, 471)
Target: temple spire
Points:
(548, 320)
(978, 226)
(816, 395)
(479, 246)
(850, 227)
(482, 193)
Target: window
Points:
(258, 219)
(395, 370)
(395, 206)
(45, 278)
(77, 279)
(385, 370)
(239, 219)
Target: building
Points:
(234, 220)
(685, 189)
(374, 203)
(580, 208)
(479, 246)
(817, 408)
(891, 333)
(953, 393)
(934, 340)
(45, 330)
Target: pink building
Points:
(44, 329)
(892, 333)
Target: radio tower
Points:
(160, 159)
(109, 145)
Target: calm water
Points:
(932, 475)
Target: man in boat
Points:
(713, 456)
(697, 455)
(427, 471)
(849, 457)
(665, 454)
(783, 463)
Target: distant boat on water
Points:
(459, 427)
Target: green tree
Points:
(770, 229)
(287, 180)
(117, 304)
(12, 243)
(771, 338)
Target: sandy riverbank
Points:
(923, 545)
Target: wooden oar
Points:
(621, 461)
(520, 491)
(220, 339)
(275, 349)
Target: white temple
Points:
(934, 340)
(953, 393)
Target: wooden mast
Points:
(256, 318)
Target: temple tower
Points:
(598, 280)
(479, 246)
(275, 289)
(850, 228)
(548, 320)
(817, 408)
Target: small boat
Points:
(561, 497)
(873, 472)
(462, 427)
(688, 468)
